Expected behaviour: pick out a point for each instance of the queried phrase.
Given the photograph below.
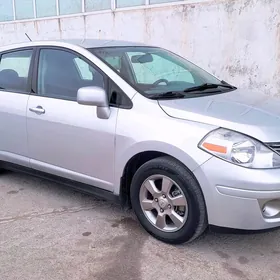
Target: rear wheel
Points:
(168, 201)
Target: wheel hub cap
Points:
(163, 203)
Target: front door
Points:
(65, 138)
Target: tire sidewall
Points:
(187, 186)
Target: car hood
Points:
(252, 113)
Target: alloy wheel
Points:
(163, 203)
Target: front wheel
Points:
(168, 201)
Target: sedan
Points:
(145, 127)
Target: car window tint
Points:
(158, 68)
(61, 74)
(14, 69)
(84, 69)
(114, 61)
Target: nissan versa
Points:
(142, 125)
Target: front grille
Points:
(274, 146)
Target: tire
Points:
(195, 221)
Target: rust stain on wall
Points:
(36, 26)
(147, 19)
(239, 69)
(277, 73)
(85, 26)
(59, 27)
(184, 19)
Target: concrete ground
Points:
(50, 232)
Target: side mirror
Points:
(95, 96)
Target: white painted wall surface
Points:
(237, 40)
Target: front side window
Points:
(61, 74)
(86, 73)
(154, 71)
(14, 70)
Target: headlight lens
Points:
(239, 149)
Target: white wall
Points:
(237, 40)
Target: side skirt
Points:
(88, 189)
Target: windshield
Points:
(154, 70)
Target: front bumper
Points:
(238, 197)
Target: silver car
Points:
(143, 126)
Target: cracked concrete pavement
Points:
(48, 231)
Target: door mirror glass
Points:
(95, 96)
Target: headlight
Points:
(239, 149)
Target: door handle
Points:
(38, 110)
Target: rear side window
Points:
(14, 70)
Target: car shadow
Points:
(234, 250)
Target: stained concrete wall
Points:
(237, 40)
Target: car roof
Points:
(84, 43)
(98, 43)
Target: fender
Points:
(154, 146)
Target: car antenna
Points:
(28, 37)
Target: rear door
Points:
(15, 87)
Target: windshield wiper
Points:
(169, 94)
(209, 86)
(201, 88)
